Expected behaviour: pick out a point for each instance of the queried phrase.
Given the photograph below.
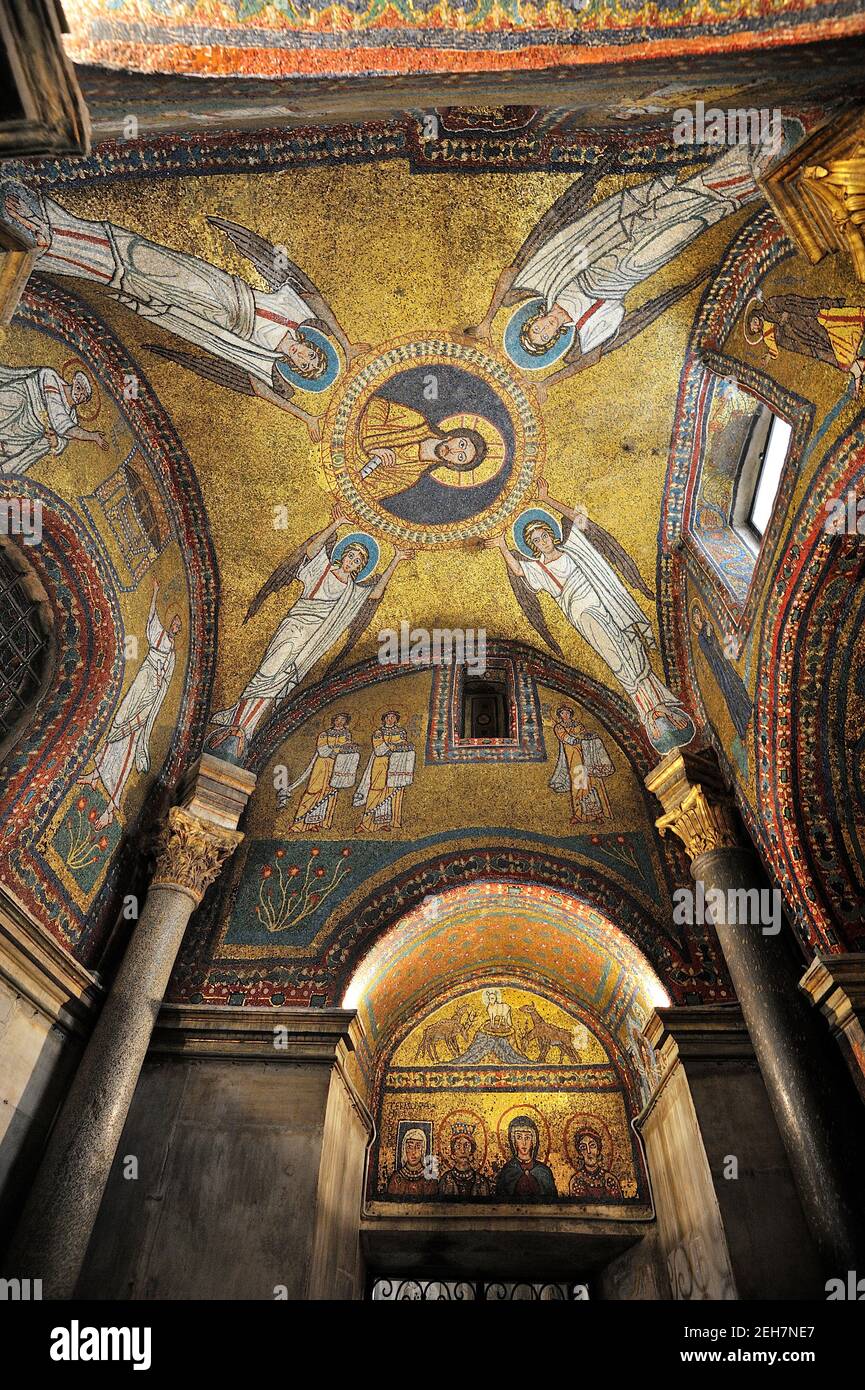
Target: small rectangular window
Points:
(486, 711)
(771, 464)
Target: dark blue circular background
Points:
(459, 392)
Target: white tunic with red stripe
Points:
(128, 742)
(590, 265)
(600, 609)
(187, 296)
(310, 628)
(33, 407)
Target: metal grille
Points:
(23, 646)
(394, 1290)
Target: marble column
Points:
(815, 1105)
(193, 844)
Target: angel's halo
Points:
(86, 413)
(528, 518)
(331, 371)
(530, 361)
(369, 543)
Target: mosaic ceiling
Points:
(296, 402)
(262, 38)
(552, 938)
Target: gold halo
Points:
(495, 455)
(586, 1119)
(91, 410)
(754, 342)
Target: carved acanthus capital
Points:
(190, 853)
(818, 191)
(697, 806)
(702, 823)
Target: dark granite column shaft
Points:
(58, 1218)
(818, 1112)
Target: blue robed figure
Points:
(523, 1178)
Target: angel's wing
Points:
(531, 606)
(616, 555)
(269, 260)
(275, 268)
(566, 209)
(282, 576)
(633, 323)
(359, 623)
(211, 368)
(613, 552)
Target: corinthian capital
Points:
(697, 806)
(190, 853)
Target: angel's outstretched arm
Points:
(266, 393)
(322, 538)
(499, 543)
(544, 496)
(378, 591)
(503, 284)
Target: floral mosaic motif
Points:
(85, 847)
(289, 894)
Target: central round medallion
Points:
(433, 443)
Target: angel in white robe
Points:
(582, 261)
(127, 743)
(332, 602)
(578, 575)
(247, 334)
(39, 415)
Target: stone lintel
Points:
(273, 1035)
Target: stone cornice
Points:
(693, 1034)
(36, 966)
(836, 984)
(702, 1032)
(220, 1031)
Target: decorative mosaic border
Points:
(735, 607)
(88, 633)
(758, 248)
(421, 36)
(273, 151)
(56, 733)
(691, 969)
(805, 605)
